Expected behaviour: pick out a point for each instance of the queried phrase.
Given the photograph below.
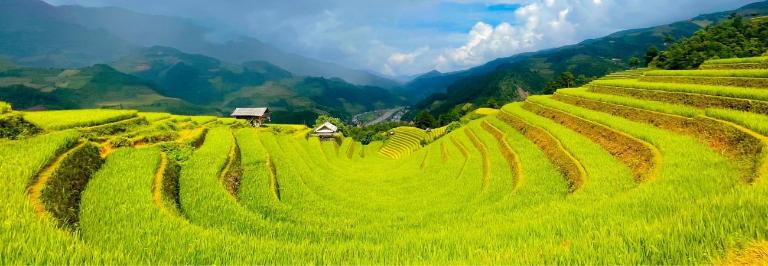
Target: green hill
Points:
(34, 33)
(99, 86)
(37, 34)
(167, 80)
(531, 71)
(209, 82)
(641, 167)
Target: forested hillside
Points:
(532, 72)
(37, 34)
(165, 79)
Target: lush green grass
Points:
(481, 194)
(734, 92)
(27, 238)
(403, 141)
(119, 215)
(744, 60)
(752, 121)
(152, 117)
(756, 122)
(749, 73)
(4, 107)
(56, 120)
(678, 109)
(203, 119)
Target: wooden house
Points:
(326, 131)
(255, 116)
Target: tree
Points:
(492, 103)
(634, 62)
(650, 54)
(581, 80)
(321, 119)
(424, 120)
(734, 37)
(567, 79)
(668, 39)
(551, 87)
(451, 116)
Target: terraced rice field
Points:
(621, 171)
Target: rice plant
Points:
(57, 120)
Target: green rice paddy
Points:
(524, 184)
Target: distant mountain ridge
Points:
(500, 78)
(38, 34)
(166, 79)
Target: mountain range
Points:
(166, 79)
(504, 78)
(54, 57)
(35, 33)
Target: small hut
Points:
(255, 116)
(326, 131)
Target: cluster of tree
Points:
(566, 80)
(425, 119)
(734, 37)
(364, 135)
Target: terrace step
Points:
(484, 155)
(640, 156)
(572, 169)
(722, 136)
(697, 100)
(571, 147)
(515, 166)
(736, 63)
(57, 188)
(26, 237)
(745, 82)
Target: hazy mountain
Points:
(165, 79)
(501, 78)
(98, 86)
(187, 36)
(195, 78)
(35, 33)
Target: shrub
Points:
(452, 126)
(61, 194)
(13, 126)
(5, 107)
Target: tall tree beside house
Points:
(321, 119)
(634, 62)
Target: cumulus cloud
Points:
(406, 37)
(542, 24)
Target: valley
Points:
(545, 177)
(196, 153)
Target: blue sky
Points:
(407, 37)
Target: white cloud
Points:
(388, 36)
(543, 24)
(401, 58)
